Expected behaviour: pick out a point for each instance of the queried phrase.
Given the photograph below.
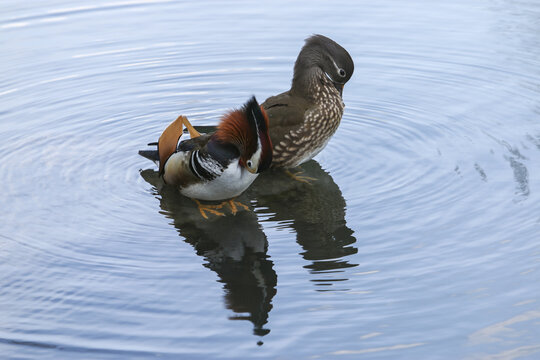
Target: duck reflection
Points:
(315, 211)
(234, 247)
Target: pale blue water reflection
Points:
(419, 238)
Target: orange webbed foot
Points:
(213, 208)
(233, 204)
(204, 208)
(299, 177)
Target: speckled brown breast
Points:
(320, 122)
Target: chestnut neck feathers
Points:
(245, 129)
(234, 129)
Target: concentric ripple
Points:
(417, 239)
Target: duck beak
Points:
(339, 88)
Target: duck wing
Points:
(208, 161)
(285, 114)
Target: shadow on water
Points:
(316, 211)
(235, 247)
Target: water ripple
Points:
(424, 214)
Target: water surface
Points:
(418, 238)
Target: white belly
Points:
(232, 182)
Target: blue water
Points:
(419, 238)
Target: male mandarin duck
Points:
(303, 119)
(219, 165)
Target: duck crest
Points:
(235, 128)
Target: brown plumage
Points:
(235, 129)
(303, 119)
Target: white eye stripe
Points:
(341, 72)
(335, 65)
(258, 131)
(254, 117)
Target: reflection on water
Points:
(235, 247)
(499, 337)
(427, 249)
(316, 211)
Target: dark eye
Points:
(249, 163)
(342, 73)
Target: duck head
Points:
(322, 56)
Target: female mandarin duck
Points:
(219, 165)
(303, 119)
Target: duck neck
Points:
(305, 82)
(307, 72)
